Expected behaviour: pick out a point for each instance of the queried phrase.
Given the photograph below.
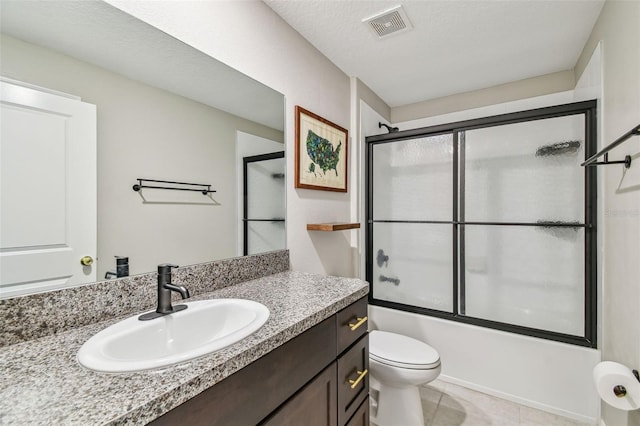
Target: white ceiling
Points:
(98, 33)
(454, 46)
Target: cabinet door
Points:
(253, 393)
(353, 379)
(314, 405)
(361, 417)
(351, 323)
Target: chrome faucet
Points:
(165, 287)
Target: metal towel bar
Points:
(206, 189)
(591, 161)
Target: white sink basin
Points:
(204, 327)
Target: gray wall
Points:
(617, 28)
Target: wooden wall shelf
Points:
(331, 226)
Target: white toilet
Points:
(398, 365)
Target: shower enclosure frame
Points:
(245, 194)
(457, 129)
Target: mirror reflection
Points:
(92, 101)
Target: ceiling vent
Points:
(391, 21)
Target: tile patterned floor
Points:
(446, 404)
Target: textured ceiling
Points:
(454, 47)
(98, 33)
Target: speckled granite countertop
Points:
(42, 383)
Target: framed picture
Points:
(321, 153)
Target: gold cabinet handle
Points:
(86, 260)
(361, 375)
(359, 322)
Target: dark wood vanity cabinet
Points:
(353, 359)
(313, 405)
(318, 378)
(353, 365)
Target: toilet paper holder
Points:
(620, 391)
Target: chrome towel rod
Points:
(591, 161)
(206, 189)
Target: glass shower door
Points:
(489, 222)
(264, 203)
(524, 224)
(412, 231)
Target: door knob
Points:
(86, 260)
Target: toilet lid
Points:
(401, 351)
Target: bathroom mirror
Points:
(165, 111)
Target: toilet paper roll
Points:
(617, 385)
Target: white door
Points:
(47, 190)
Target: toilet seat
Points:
(401, 351)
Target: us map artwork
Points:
(322, 154)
